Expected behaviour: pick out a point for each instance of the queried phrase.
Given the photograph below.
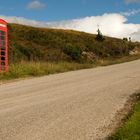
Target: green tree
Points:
(125, 39)
(99, 36)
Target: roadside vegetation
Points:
(30, 69)
(41, 51)
(130, 130)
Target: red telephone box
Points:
(3, 46)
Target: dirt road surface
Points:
(69, 106)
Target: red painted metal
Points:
(3, 46)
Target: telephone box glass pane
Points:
(2, 53)
(2, 33)
(2, 50)
(2, 37)
(3, 63)
(2, 58)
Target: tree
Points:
(99, 36)
(125, 39)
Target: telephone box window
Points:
(3, 63)
(3, 46)
(2, 53)
(2, 33)
(2, 58)
(2, 37)
(2, 43)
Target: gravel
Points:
(77, 105)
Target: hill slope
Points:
(42, 44)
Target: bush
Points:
(131, 46)
(73, 51)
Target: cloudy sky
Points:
(119, 18)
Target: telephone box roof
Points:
(3, 21)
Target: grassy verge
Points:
(130, 130)
(31, 69)
(117, 60)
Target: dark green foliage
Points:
(125, 39)
(99, 36)
(73, 51)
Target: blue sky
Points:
(55, 10)
(116, 18)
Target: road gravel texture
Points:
(74, 105)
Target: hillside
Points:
(53, 45)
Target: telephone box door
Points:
(3, 46)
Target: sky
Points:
(120, 18)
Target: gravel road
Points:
(69, 106)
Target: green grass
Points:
(130, 130)
(117, 60)
(31, 69)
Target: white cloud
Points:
(131, 12)
(35, 4)
(131, 1)
(112, 24)
(136, 35)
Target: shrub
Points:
(73, 51)
(131, 46)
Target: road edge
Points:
(123, 114)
